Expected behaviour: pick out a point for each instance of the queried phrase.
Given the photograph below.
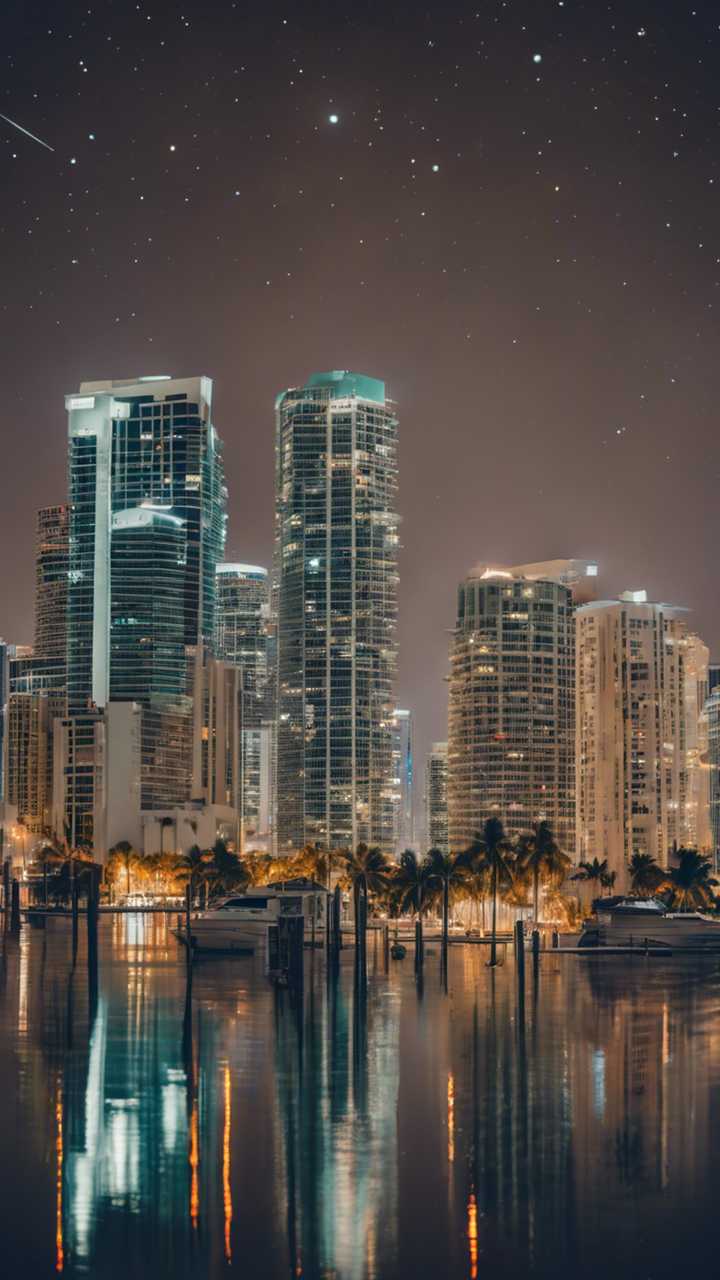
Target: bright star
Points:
(537, 57)
(334, 119)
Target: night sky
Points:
(508, 211)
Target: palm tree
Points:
(489, 854)
(195, 864)
(127, 858)
(591, 872)
(227, 870)
(646, 876)
(445, 874)
(540, 855)
(366, 870)
(691, 882)
(608, 879)
(164, 824)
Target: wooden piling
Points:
(419, 945)
(74, 906)
(15, 907)
(536, 944)
(6, 892)
(188, 930)
(337, 919)
(520, 950)
(555, 939)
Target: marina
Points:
(161, 1126)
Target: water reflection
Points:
(363, 1127)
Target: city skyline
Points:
(539, 235)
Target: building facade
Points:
(511, 725)
(696, 832)
(712, 717)
(52, 564)
(632, 766)
(436, 797)
(244, 640)
(36, 680)
(97, 774)
(403, 781)
(147, 528)
(336, 578)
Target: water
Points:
(410, 1133)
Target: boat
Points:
(646, 922)
(240, 921)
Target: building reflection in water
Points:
(354, 1130)
(336, 1110)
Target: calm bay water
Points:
(406, 1133)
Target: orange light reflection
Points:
(194, 1159)
(59, 1154)
(227, 1189)
(472, 1231)
(451, 1116)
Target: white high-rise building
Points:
(696, 832)
(511, 735)
(639, 680)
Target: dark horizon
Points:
(541, 305)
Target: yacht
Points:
(641, 922)
(240, 921)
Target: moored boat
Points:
(647, 922)
(240, 921)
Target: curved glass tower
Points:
(336, 577)
(147, 528)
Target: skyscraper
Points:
(511, 739)
(696, 833)
(147, 528)
(436, 799)
(244, 640)
(4, 674)
(403, 781)
(336, 577)
(36, 679)
(712, 715)
(632, 762)
(51, 587)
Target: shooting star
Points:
(27, 132)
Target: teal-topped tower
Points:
(336, 581)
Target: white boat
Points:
(240, 921)
(641, 922)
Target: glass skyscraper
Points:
(336, 578)
(403, 781)
(36, 679)
(147, 528)
(244, 639)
